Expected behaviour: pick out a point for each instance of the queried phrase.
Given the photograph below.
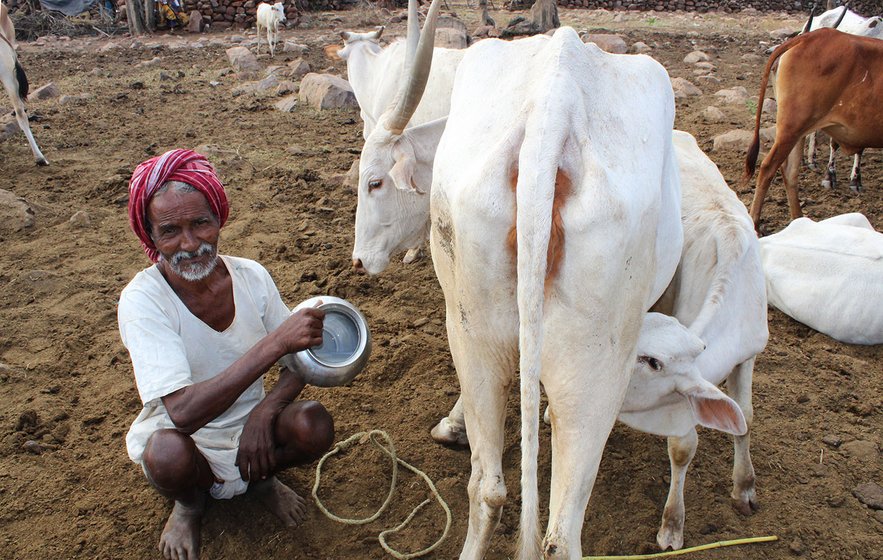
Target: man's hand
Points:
(301, 330)
(256, 458)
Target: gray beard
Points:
(194, 272)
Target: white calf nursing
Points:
(828, 275)
(718, 292)
(595, 196)
(269, 17)
(12, 75)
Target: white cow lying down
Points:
(828, 275)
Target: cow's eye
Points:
(374, 184)
(654, 364)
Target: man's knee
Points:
(308, 427)
(170, 460)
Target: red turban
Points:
(176, 165)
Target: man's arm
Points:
(194, 406)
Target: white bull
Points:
(396, 160)
(15, 82)
(595, 196)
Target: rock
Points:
(640, 48)
(80, 220)
(297, 69)
(109, 47)
(713, 114)
(32, 446)
(155, 61)
(737, 94)
(878, 515)
(267, 83)
(780, 34)
(75, 99)
(8, 126)
(287, 104)
(286, 87)
(796, 546)
(195, 25)
(863, 450)
(243, 61)
(16, 213)
(767, 135)
(325, 91)
(237, 39)
(292, 47)
(48, 91)
(769, 106)
(832, 440)
(870, 494)
(733, 140)
(696, 56)
(482, 31)
(450, 38)
(704, 66)
(607, 42)
(684, 88)
(420, 322)
(710, 79)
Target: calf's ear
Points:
(713, 409)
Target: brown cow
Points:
(827, 80)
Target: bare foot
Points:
(180, 537)
(284, 502)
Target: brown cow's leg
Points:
(791, 175)
(771, 163)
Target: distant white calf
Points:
(269, 17)
(15, 82)
(827, 275)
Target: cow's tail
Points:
(535, 193)
(732, 251)
(22, 79)
(754, 148)
(808, 23)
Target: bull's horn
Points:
(417, 75)
(842, 15)
(808, 23)
(413, 36)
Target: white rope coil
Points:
(389, 450)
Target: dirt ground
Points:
(66, 381)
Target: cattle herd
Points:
(591, 252)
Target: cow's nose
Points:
(358, 267)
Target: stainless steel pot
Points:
(345, 348)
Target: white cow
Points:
(269, 17)
(719, 292)
(827, 275)
(847, 21)
(15, 82)
(396, 160)
(574, 145)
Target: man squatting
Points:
(202, 329)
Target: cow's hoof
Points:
(746, 506)
(447, 433)
(855, 187)
(42, 162)
(668, 537)
(411, 256)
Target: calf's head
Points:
(666, 366)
